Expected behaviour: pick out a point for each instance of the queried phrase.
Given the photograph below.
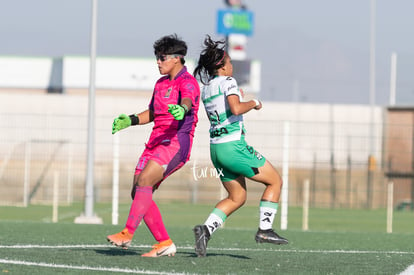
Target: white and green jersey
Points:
(224, 126)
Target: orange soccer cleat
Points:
(165, 248)
(122, 239)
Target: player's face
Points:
(167, 62)
(228, 67)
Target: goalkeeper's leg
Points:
(165, 246)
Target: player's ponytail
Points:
(211, 59)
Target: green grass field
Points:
(338, 242)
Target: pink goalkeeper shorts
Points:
(170, 154)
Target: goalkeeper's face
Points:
(167, 62)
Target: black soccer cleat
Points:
(202, 236)
(269, 236)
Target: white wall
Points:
(73, 72)
(113, 73)
(25, 72)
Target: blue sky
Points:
(311, 51)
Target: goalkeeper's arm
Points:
(123, 121)
(180, 110)
(145, 117)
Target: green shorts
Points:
(235, 158)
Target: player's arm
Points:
(189, 90)
(186, 104)
(145, 117)
(238, 108)
(180, 110)
(124, 121)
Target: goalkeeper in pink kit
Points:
(173, 109)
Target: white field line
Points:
(408, 271)
(84, 267)
(340, 251)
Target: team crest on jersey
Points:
(258, 155)
(190, 87)
(167, 94)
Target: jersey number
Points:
(214, 117)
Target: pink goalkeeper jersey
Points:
(166, 92)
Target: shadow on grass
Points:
(118, 252)
(129, 252)
(209, 255)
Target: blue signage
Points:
(235, 21)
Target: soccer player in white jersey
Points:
(229, 152)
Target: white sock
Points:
(268, 212)
(215, 220)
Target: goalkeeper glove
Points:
(123, 121)
(177, 111)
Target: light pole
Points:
(88, 216)
(371, 158)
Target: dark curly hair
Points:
(211, 59)
(170, 44)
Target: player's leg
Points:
(236, 197)
(155, 224)
(222, 156)
(269, 203)
(172, 158)
(144, 182)
(253, 165)
(150, 175)
(269, 176)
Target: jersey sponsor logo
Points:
(219, 132)
(231, 87)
